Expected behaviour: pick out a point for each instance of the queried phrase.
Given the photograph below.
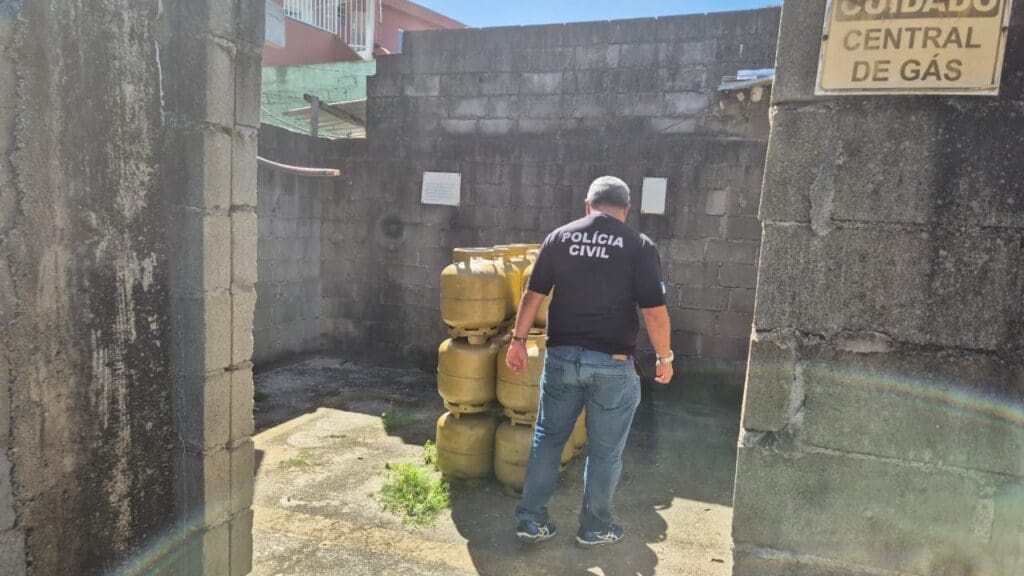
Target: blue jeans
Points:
(610, 390)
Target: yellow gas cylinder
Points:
(517, 257)
(466, 375)
(541, 319)
(513, 279)
(519, 394)
(465, 445)
(512, 444)
(473, 295)
(579, 434)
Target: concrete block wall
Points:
(127, 273)
(210, 61)
(287, 320)
(530, 116)
(883, 424)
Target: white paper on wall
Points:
(441, 188)
(653, 201)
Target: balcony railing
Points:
(353, 20)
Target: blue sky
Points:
(478, 13)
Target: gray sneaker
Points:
(529, 532)
(598, 538)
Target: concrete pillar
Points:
(211, 64)
(883, 422)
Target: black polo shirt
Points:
(601, 270)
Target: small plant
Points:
(300, 460)
(395, 418)
(430, 453)
(415, 492)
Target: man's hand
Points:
(516, 357)
(663, 373)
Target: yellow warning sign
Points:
(913, 46)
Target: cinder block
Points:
(687, 52)
(916, 406)
(422, 85)
(593, 105)
(686, 103)
(460, 85)
(798, 51)
(244, 243)
(551, 59)
(694, 273)
(201, 340)
(458, 127)
(248, 77)
(496, 127)
(638, 55)
(201, 170)
(205, 490)
(686, 344)
(771, 371)
(243, 467)
(641, 104)
(499, 83)
(208, 551)
(469, 108)
(541, 83)
(673, 125)
(244, 186)
(203, 409)
(243, 307)
(742, 228)
(734, 324)
(873, 512)
(703, 226)
(674, 28)
(696, 321)
(741, 300)
(705, 298)
(544, 106)
(682, 250)
(732, 251)
(718, 202)
(209, 95)
(737, 275)
(251, 22)
(683, 78)
(851, 279)
(597, 56)
(724, 348)
(241, 544)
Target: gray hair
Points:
(608, 191)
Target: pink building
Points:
(318, 31)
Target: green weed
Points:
(415, 492)
(430, 453)
(395, 418)
(300, 460)
(258, 396)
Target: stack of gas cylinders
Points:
(480, 294)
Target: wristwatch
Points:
(666, 359)
(521, 340)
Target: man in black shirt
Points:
(601, 270)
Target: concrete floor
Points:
(322, 450)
